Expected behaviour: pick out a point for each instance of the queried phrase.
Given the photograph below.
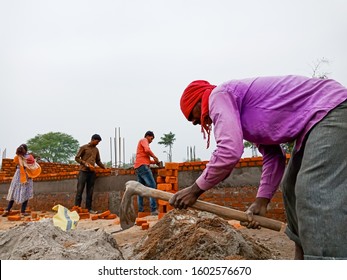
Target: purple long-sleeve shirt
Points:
(266, 111)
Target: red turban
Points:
(194, 92)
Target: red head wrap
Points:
(196, 91)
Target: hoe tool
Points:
(127, 211)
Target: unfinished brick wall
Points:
(50, 171)
(229, 195)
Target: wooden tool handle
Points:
(220, 210)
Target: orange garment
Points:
(143, 154)
(22, 175)
(31, 169)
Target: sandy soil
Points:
(277, 242)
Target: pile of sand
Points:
(189, 234)
(44, 241)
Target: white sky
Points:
(85, 67)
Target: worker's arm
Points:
(228, 134)
(274, 161)
(148, 151)
(79, 155)
(98, 160)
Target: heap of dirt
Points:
(195, 235)
(44, 241)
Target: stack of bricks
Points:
(167, 180)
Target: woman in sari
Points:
(21, 188)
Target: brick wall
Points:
(57, 184)
(50, 171)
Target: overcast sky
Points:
(85, 67)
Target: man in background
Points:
(143, 171)
(87, 156)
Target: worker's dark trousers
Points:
(85, 178)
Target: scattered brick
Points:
(84, 215)
(145, 226)
(14, 218)
(111, 217)
(140, 221)
(104, 214)
(143, 214)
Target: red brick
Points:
(145, 226)
(143, 214)
(171, 165)
(14, 218)
(84, 215)
(140, 221)
(161, 215)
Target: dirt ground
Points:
(277, 242)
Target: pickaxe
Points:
(127, 213)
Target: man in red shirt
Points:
(143, 171)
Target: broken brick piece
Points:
(14, 218)
(76, 208)
(111, 217)
(84, 215)
(145, 226)
(140, 221)
(104, 214)
(143, 214)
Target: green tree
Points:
(287, 147)
(167, 140)
(54, 147)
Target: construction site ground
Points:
(277, 242)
